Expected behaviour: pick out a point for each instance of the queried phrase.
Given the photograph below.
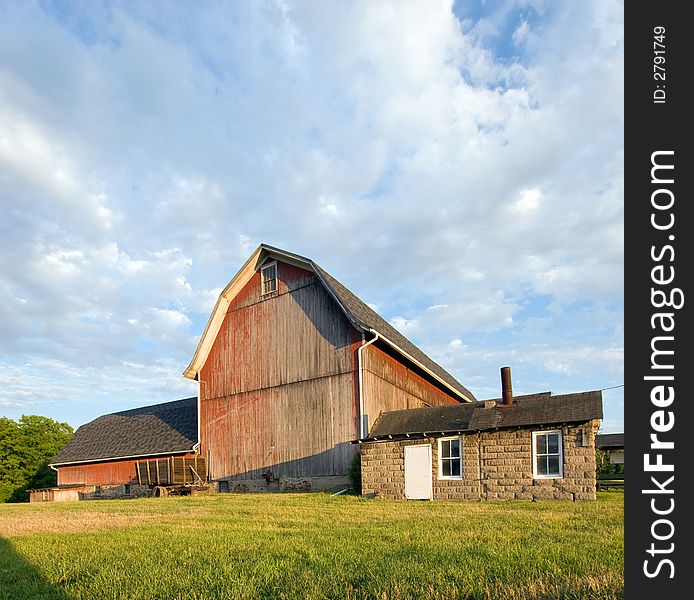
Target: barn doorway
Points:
(418, 472)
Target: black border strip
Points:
(657, 120)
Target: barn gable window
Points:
(450, 458)
(268, 279)
(548, 462)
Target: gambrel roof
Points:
(530, 410)
(362, 317)
(160, 429)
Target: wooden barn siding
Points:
(389, 385)
(297, 430)
(101, 473)
(290, 278)
(277, 390)
(106, 473)
(297, 334)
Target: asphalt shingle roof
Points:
(534, 409)
(167, 428)
(609, 440)
(366, 318)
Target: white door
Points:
(418, 472)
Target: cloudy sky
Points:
(459, 166)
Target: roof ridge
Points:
(147, 406)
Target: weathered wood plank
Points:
(389, 385)
(105, 473)
(297, 430)
(296, 335)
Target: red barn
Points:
(291, 368)
(125, 452)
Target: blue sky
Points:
(459, 166)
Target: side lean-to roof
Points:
(160, 429)
(526, 411)
(359, 314)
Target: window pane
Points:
(553, 443)
(446, 468)
(455, 468)
(455, 448)
(269, 273)
(446, 449)
(542, 465)
(541, 444)
(553, 465)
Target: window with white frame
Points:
(268, 279)
(548, 460)
(450, 458)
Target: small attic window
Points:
(268, 279)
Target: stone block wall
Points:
(114, 492)
(89, 492)
(283, 484)
(497, 465)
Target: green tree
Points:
(26, 448)
(602, 462)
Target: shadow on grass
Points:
(20, 580)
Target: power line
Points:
(613, 387)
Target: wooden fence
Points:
(175, 470)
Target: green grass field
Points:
(312, 546)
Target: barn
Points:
(292, 369)
(128, 452)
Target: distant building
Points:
(613, 444)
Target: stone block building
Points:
(532, 447)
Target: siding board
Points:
(298, 430)
(104, 473)
(389, 385)
(295, 335)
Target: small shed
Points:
(529, 447)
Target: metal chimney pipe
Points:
(506, 387)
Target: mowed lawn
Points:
(312, 546)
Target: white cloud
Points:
(527, 203)
(467, 194)
(170, 318)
